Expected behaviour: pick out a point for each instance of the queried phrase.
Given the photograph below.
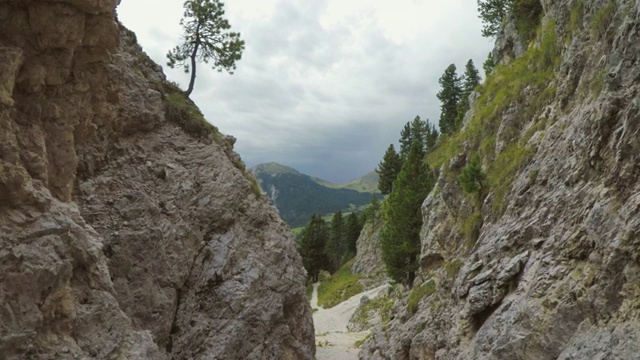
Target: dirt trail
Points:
(333, 340)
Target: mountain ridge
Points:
(297, 196)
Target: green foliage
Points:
(361, 341)
(448, 147)
(452, 268)
(505, 86)
(449, 95)
(492, 13)
(380, 305)
(472, 177)
(400, 239)
(576, 15)
(206, 37)
(418, 293)
(312, 247)
(388, 170)
(339, 287)
(602, 19)
(503, 171)
(353, 227)
(597, 83)
(471, 228)
(299, 196)
(527, 14)
(417, 130)
(180, 110)
(488, 65)
(372, 212)
(336, 245)
(470, 80)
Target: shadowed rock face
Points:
(555, 273)
(127, 229)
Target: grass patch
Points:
(339, 287)
(452, 268)
(418, 293)
(380, 304)
(471, 228)
(527, 14)
(576, 16)
(602, 19)
(448, 146)
(503, 171)
(180, 110)
(597, 83)
(361, 341)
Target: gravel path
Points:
(333, 340)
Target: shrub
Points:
(527, 14)
(339, 287)
(602, 19)
(418, 293)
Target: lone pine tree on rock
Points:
(206, 37)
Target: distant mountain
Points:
(297, 196)
(367, 183)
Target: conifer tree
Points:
(400, 240)
(336, 245)
(492, 12)
(432, 137)
(406, 138)
(449, 95)
(353, 227)
(472, 177)
(206, 37)
(312, 246)
(488, 65)
(470, 80)
(419, 131)
(372, 212)
(388, 170)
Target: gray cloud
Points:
(327, 100)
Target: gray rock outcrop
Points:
(128, 226)
(368, 260)
(546, 267)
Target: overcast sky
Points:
(323, 86)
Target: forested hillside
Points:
(297, 196)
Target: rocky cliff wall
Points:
(545, 262)
(128, 226)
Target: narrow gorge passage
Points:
(333, 340)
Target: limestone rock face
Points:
(128, 227)
(552, 274)
(368, 260)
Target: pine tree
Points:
(432, 137)
(449, 95)
(388, 170)
(206, 37)
(472, 177)
(470, 80)
(406, 139)
(372, 212)
(400, 240)
(336, 245)
(353, 227)
(312, 246)
(419, 129)
(488, 65)
(492, 12)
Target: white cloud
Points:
(323, 86)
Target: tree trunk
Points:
(193, 62)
